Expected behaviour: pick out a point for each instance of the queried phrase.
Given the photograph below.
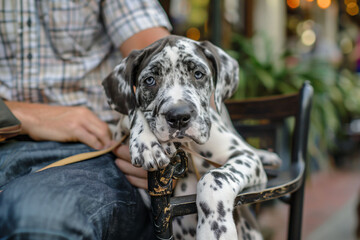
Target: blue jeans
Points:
(86, 200)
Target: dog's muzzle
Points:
(179, 115)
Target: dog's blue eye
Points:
(150, 81)
(198, 75)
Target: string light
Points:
(193, 33)
(324, 3)
(293, 3)
(308, 37)
(352, 9)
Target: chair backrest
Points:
(268, 115)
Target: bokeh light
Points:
(293, 3)
(324, 3)
(308, 37)
(346, 45)
(193, 33)
(352, 8)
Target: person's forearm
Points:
(20, 110)
(143, 39)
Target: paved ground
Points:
(329, 208)
(340, 225)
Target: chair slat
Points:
(263, 108)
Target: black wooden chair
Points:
(267, 122)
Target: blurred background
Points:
(279, 44)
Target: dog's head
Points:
(172, 82)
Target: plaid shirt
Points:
(57, 52)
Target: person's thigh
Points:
(87, 200)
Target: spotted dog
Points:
(165, 93)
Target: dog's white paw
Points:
(147, 152)
(268, 159)
(169, 149)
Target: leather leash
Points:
(89, 155)
(83, 156)
(193, 153)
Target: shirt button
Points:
(29, 56)
(29, 22)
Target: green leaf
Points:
(266, 79)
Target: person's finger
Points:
(102, 135)
(88, 138)
(123, 152)
(128, 169)
(137, 182)
(98, 128)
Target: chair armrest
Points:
(287, 181)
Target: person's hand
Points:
(135, 175)
(63, 124)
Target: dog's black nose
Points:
(179, 116)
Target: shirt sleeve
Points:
(124, 18)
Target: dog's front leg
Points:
(217, 189)
(145, 149)
(216, 192)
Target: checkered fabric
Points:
(58, 51)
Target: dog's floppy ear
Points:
(118, 89)
(120, 84)
(226, 72)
